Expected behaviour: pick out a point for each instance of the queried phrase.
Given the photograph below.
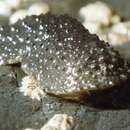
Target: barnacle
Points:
(65, 58)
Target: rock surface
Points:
(18, 112)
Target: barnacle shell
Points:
(98, 12)
(59, 122)
(119, 37)
(34, 9)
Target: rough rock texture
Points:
(18, 112)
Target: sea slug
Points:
(60, 57)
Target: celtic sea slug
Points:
(60, 57)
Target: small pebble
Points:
(34, 9)
(59, 122)
(98, 12)
(119, 37)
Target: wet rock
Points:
(20, 113)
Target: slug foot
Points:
(29, 87)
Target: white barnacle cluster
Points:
(97, 16)
(104, 16)
(98, 12)
(29, 87)
(108, 25)
(36, 8)
(119, 38)
(59, 122)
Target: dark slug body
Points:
(66, 60)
